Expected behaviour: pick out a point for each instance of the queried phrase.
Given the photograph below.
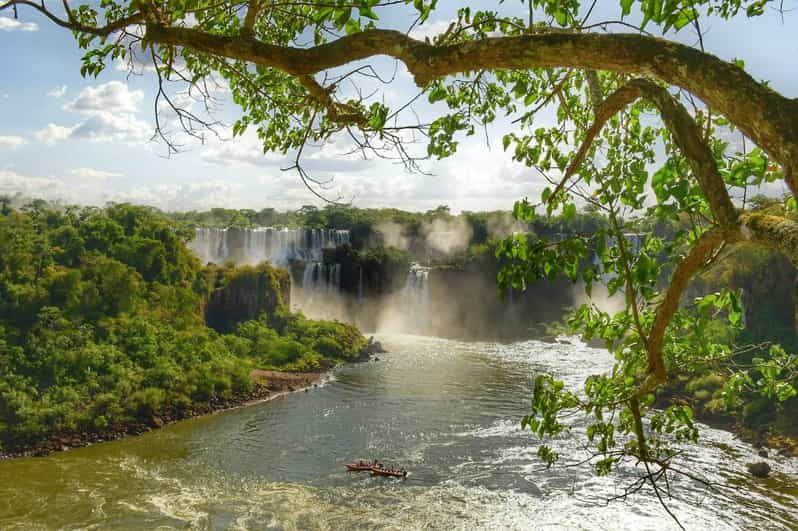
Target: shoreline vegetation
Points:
(109, 325)
(265, 389)
(760, 433)
(268, 386)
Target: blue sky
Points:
(88, 140)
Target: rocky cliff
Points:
(244, 293)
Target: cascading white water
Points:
(360, 283)
(415, 295)
(320, 278)
(251, 246)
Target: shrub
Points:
(146, 402)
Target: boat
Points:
(358, 467)
(389, 473)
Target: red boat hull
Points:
(358, 468)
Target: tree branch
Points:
(251, 17)
(765, 116)
(701, 250)
(72, 24)
(685, 132)
(340, 113)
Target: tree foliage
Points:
(618, 96)
(102, 325)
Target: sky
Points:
(88, 141)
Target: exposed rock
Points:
(760, 469)
(763, 453)
(244, 293)
(374, 347)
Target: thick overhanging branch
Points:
(774, 231)
(768, 118)
(251, 17)
(765, 116)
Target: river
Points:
(448, 411)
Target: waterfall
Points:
(415, 296)
(360, 283)
(321, 278)
(251, 246)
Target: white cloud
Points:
(9, 24)
(92, 173)
(184, 196)
(100, 127)
(429, 30)
(110, 97)
(110, 115)
(13, 183)
(248, 150)
(135, 63)
(53, 133)
(58, 92)
(11, 141)
(106, 126)
(245, 149)
(174, 196)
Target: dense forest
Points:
(103, 323)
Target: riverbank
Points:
(762, 439)
(268, 385)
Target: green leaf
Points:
(561, 15)
(369, 13)
(626, 7)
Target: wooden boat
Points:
(388, 473)
(357, 467)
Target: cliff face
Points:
(244, 293)
(768, 282)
